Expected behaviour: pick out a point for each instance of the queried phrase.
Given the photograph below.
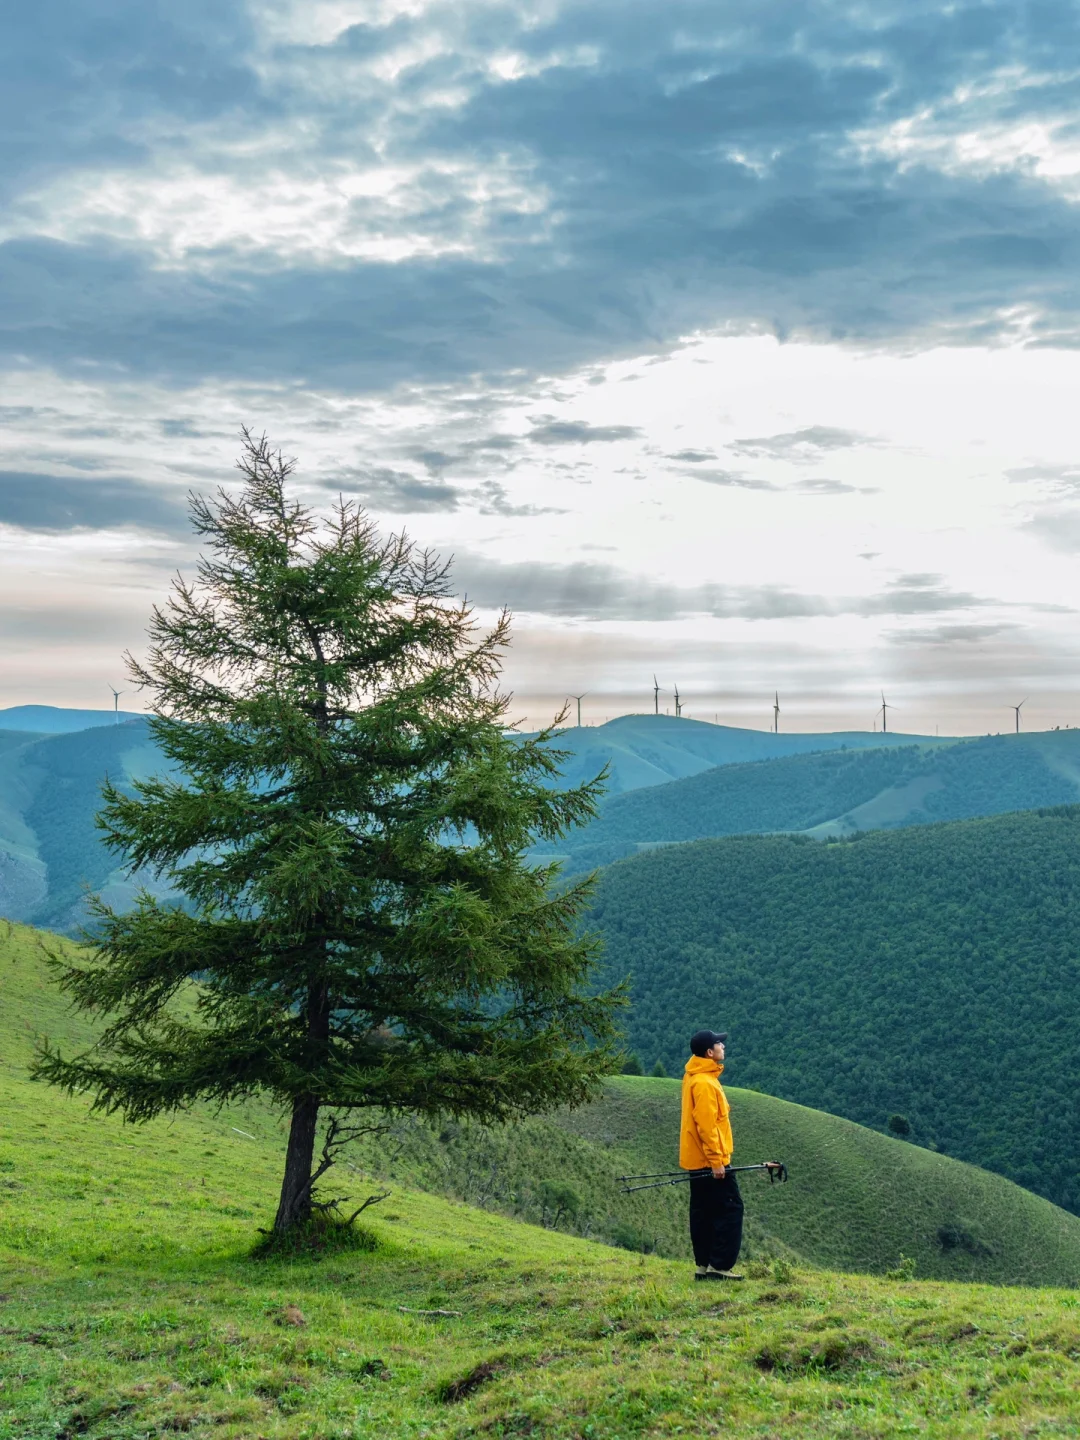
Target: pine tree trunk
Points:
(294, 1208)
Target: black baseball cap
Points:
(705, 1040)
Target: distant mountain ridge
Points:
(57, 720)
(644, 750)
(50, 850)
(837, 793)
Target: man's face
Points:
(717, 1052)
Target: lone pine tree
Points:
(345, 819)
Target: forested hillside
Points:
(932, 972)
(50, 792)
(838, 793)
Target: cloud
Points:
(580, 432)
(734, 478)
(52, 504)
(821, 486)
(800, 447)
(551, 188)
(590, 590)
(950, 634)
(491, 498)
(693, 457)
(397, 492)
(1058, 528)
(394, 491)
(918, 594)
(498, 443)
(1064, 478)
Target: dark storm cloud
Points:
(51, 504)
(589, 590)
(693, 163)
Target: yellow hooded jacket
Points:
(705, 1136)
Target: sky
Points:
(733, 345)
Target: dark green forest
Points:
(930, 973)
(950, 781)
(55, 784)
(66, 800)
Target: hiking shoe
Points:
(711, 1274)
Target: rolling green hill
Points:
(646, 750)
(931, 972)
(857, 1200)
(838, 793)
(848, 1206)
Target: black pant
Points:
(716, 1211)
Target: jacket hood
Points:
(702, 1065)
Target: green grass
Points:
(857, 1200)
(132, 1307)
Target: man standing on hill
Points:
(716, 1208)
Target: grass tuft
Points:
(322, 1236)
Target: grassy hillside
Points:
(931, 972)
(848, 1206)
(132, 1308)
(858, 1200)
(838, 793)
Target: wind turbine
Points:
(1017, 709)
(116, 702)
(776, 712)
(678, 703)
(655, 696)
(579, 699)
(885, 708)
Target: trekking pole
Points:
(776, 1169)
(664, 1174)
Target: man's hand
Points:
(718, 1172)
